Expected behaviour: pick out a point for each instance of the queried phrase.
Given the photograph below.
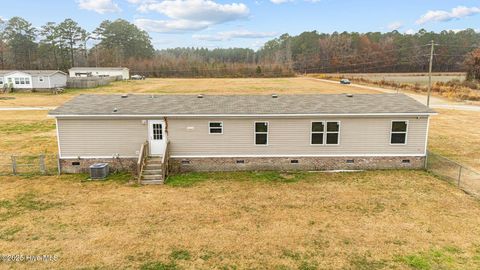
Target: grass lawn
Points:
(456, 135)
(300, 85)
(367, 220)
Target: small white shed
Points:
(100, 72)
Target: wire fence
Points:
(28, 164)
(465, 178)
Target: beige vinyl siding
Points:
(288, 136)
(102, 137)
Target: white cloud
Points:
(395, 26)
(189, 15)
(410, 32)
(280, 1)
(165, 26)
(99, 6)
(443, 15)
(228, 35)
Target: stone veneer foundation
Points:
(255, 164)
(82, 165)
(297, 163)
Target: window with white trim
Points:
(215, 127)
(398, 133)
(333, 132)
(261, 133)
(318, 128)
(40, 79)
(325, 132)
(17, 80)
(27, 80)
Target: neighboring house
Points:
(245, 132)
(100, 72)
(33, 79)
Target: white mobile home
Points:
(226, 133)
(123, 72)
(33, 79)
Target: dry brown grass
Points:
(368, 220)
(456, 135)
(298, 85)
(27, 132)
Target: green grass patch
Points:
(180, 254)
(190, 179)
(9, 233)
(445, 258)
(159, 266)
(15, 128)
(365, 262)
(23, 203)
(115, 177)
(29, 201)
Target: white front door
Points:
(156, 137)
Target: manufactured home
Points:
(121, 72)
(243, 132)
(33, 79)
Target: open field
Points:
(456, 135)
(299, 85)
(412, 78)
(271, 220)
(368, 220)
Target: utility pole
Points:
(430, 74)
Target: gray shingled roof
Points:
(240, 105)
(32, 72)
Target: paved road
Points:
(435, 102)
(26, 108)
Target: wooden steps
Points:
(152, 173)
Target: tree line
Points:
(119, 43)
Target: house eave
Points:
(235, 115)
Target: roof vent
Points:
(349, 95)
(124, 95)
(274, 96)
(115, 110)
(200, 96)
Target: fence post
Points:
(41, 160)
(459, 175)
(14, 165)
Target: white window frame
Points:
(210, 128)
(317, 132)
(391, 132)
(325, 132)
(255, 133)
(17, 81)
(41, 79)
(337, 132)
(27, 80)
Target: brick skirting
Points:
(82, 165)
(297, 163)
(254, 164)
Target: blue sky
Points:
(249, 23)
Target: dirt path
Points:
(435, 102)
